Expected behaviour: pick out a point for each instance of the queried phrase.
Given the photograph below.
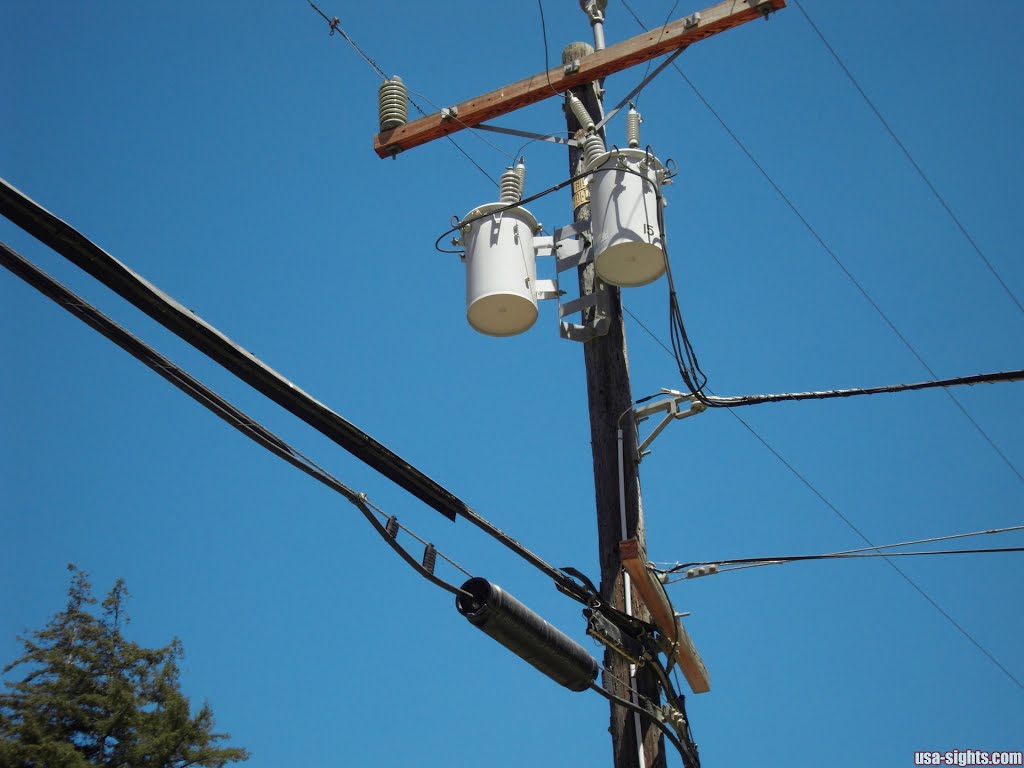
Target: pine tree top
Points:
(88, 696)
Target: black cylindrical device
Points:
(495, 612)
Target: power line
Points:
(544, 37)
(692, 375)
(418, 538)
(647, 70)
(335, 25)
(903, 147)
(849, 523)
(988, 532)
(190, 327)
(684, 753)
(814, 233)
(210, 400)
(256, 432)
(980, 378)
(758, 561)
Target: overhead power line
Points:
(906, 152)
(335, 25)
(188, 326)
(980, 378)
(988, 532)
(256, 432)
(835, 258)
(842, 556)
(701, 569)
(806, 482)
(213, 402)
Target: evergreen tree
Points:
(89, 697)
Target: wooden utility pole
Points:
(609, 396)
(636, 742)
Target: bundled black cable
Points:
(696, 380)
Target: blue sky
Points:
(224, 152)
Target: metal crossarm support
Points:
(526, 134)
(643, 84)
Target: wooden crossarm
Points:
(634, 560)
(597, 65)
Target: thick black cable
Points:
(688, 759)
(849, 523)
(188, 326)
(980, 378)
(910, 158)
(835, 258)
(203, 395)
(695, 379)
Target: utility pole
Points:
(609, 396)
(626, 583)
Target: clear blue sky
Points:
(223, 150)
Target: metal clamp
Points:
(670, 406)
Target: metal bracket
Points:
(691, 21)
(578, 253)
(598, 325)
(608, 634)
(571, 248)
(525, 134)
(629, 96)
(670, 406)
(594, 8)
(546, 289)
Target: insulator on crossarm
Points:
(511, 188)
(633, 121)
(582, 116)
(393, 101)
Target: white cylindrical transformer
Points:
(501, 269)
(628, 241)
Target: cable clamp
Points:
(671, 407)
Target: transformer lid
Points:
(517, 212)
